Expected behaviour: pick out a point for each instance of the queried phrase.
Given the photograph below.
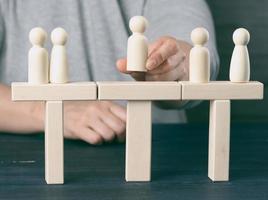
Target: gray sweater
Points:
(98, 33)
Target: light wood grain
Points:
(54, 92)
(54, 172)
(138, 141)
(219, 140)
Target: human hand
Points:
(94, 121)
(168, 60)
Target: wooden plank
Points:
(24, 91)
(139, 90)
(54, 172)
(138, 141)
(219, 140)
(221, 90)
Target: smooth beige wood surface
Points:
(54, 92)
(219, 140)
(221, 90)
(54, 159)
(137, 45)
(138, 141)
(59, 68)
(38, 58)
(141, 90)
(138, 91)
(240, 62)
(199, 58)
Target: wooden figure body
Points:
(58, 60)
(38, 64)
(240, 63)
(199, 66)
(137, 49)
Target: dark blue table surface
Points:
(179, 167)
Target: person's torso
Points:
(98, 33)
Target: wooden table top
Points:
(179, 167)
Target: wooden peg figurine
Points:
(38, 64)
(240, 64)
(137, 49)
(199, 66)
(58, 62)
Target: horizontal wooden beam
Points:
(221, 90)
(140, 90)
(54, 92)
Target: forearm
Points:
(19, 117)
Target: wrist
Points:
(37, 112)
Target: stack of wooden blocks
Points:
(139, 95)
(138, 134)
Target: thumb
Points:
(121, 65)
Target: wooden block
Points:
(54, 172)
(139, 90)
(219, 140)
(221, 90)
(54, 92)
(138, 141)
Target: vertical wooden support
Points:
(138, 141)
(219, 140)
(54, 172)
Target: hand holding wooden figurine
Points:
(167, 58)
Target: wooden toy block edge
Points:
(184, 90)
(54, 151)
(222, 90)
(139, 90)
(219, 140)
(138, 141)
(23, 91)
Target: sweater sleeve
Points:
(1, 27)
(178, 18)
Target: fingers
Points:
(165, 55)
(115, 123)
(162, 53)
(94, 121)
(89, 136)
(103, 129)
(175, 74)
(168, 65)
(109, 121)
(154, 46)
(119, 111)
(121, 65)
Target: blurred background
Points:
(229, 15)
